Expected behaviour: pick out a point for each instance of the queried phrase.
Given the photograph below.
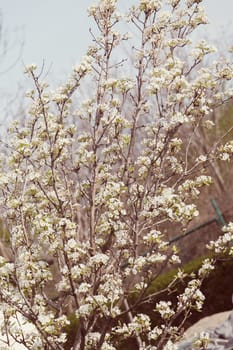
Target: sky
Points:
(56, 33)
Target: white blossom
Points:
(101, 175)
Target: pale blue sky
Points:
(56, 31)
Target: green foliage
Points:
(162, 281)
(224, 123)
(71, 331)
(4, 233)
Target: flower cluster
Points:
(223, 245)
(192, 296)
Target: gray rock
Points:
(221, 338)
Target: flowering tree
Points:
(87, 191)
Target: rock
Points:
(221, 337)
